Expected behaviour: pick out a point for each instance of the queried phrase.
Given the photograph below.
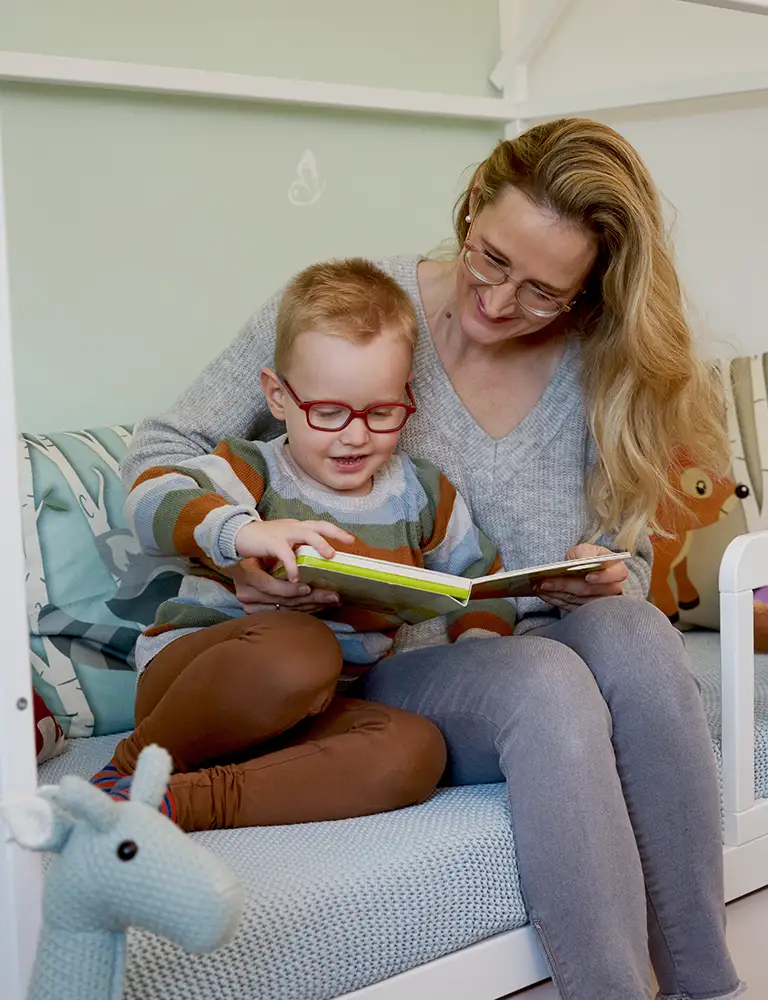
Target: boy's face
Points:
(331, 368)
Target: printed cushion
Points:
(90, 591)
(684, 583)
(49, 736)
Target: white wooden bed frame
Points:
(510, 961)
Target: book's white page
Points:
(520, 582)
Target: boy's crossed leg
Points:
(260, 690)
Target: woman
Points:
(555, 380)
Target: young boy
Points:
(247, 704)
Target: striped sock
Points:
(107, 777)
(121, 792)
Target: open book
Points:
(415, 594)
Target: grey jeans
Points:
(597, 727)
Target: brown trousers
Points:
(248, 712)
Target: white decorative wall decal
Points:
(307, 188)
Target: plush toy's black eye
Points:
(127, 850)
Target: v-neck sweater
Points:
(526, 491)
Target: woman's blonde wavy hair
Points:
(649, 398)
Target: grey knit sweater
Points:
(525, 491)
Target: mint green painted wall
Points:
(144, 230)
(447, 45)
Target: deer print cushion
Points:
(684, 583)
(89, 589)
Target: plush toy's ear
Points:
(150, 778)
(36, 822)
(84, 802)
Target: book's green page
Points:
(410, 600)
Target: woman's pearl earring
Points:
(467, 218)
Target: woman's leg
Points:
(527, 709)
(530, 709)
(667, 769)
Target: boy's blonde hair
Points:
(345, 298)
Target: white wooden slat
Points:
(20, 871)
(68, 71)
(34, 68)
(737, 654)
(532, 36)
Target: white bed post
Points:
(521, 39)
(744, 568)
(20, 871)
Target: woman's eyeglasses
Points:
(529, 297)
(379, 418)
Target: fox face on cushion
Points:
(703, 500)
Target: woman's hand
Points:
(570, 592)
(258, 590)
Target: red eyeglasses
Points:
(379, 418)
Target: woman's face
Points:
(532, 246)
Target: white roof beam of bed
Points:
(515, 108)
(748, 6)
(21, 879)
(28, 67)
(529, 37)
(521, 38)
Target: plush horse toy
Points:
(117, 865)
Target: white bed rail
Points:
(20, 871)
(744, 568)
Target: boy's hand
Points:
(277, 539)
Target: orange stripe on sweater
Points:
(496, 567)
(154, 473)
(192, 514)
(248, 476)
(442, 514)
(479, 619)
(159, 629)
(362, 619)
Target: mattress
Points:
(333, 907)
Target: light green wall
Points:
(144, 230)
(448, 45)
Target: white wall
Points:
(144, 230)
(710, 158)
(712, 166)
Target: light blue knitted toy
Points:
(117, 865)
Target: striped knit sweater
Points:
(413, 515)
